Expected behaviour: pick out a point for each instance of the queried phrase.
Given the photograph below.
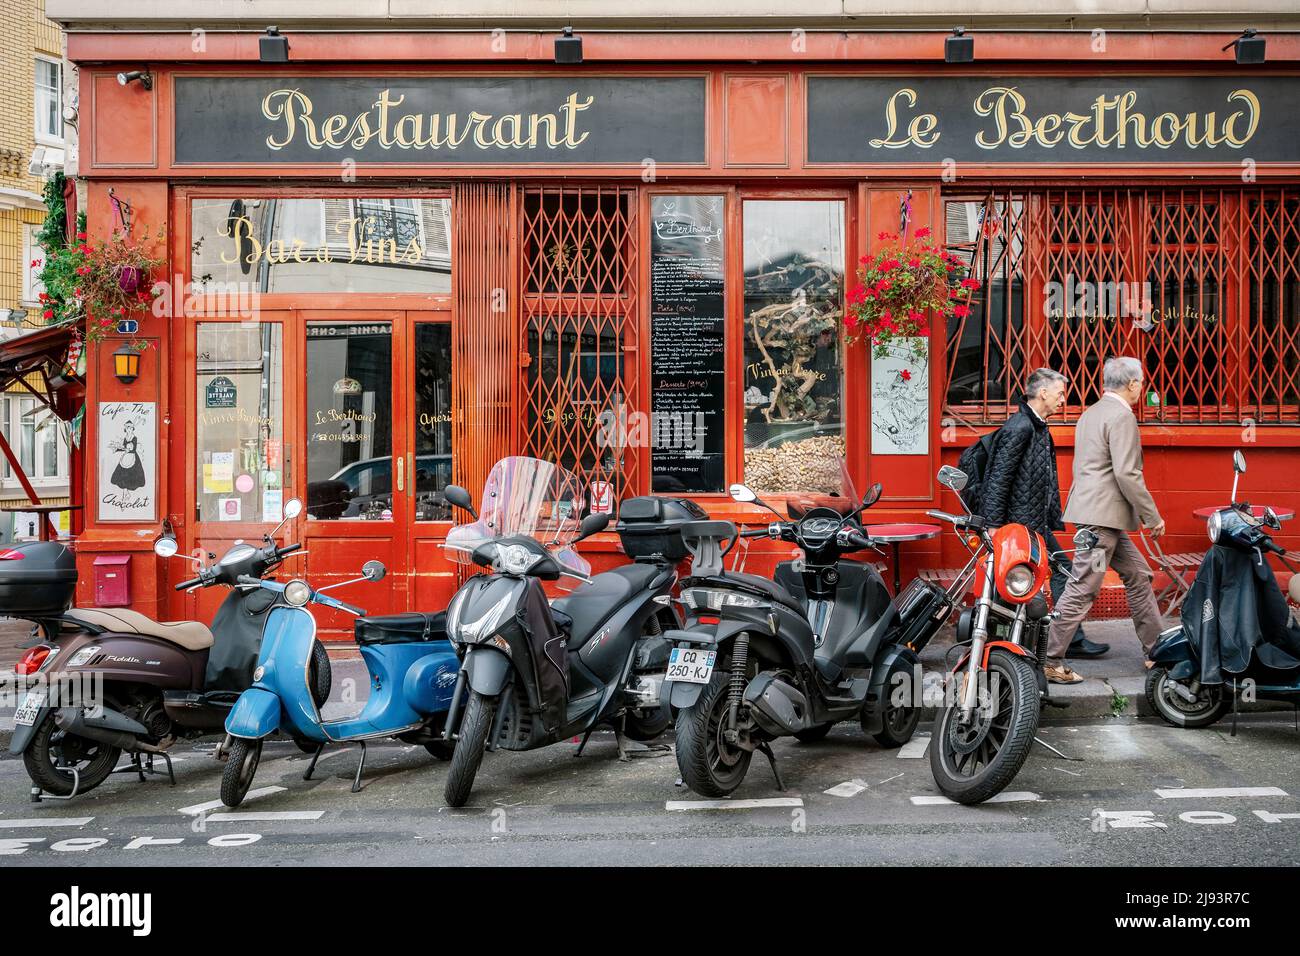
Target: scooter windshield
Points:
(840, 496)
(526, 496)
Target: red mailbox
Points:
(113, 580)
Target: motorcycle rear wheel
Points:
(241, 767)
(708, 764)
(1211, 703)
(470, 744)
(94, 761)
(996, 743)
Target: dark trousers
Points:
(1060, 577)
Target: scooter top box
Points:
(37, 579)
(650, 527)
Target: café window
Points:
(349, 421)
(432, 420)
(240, 465)
(793, 349)
(578, 310)
(325, 244)
(1181, 278)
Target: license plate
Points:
(29, 708)
(690, 665)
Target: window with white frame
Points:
(33, 263)
(49, 100)
(36, 437)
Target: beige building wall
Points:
(26, 35)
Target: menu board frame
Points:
(701, 469)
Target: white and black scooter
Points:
(533, 671)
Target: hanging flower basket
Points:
(101, 283)
(897, 290)
(128, 279)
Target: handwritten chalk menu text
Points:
(687, 336)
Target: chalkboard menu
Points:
(687, 336)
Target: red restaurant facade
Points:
(399, 257)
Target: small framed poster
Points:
(128, 461)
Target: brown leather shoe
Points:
(1062, 675)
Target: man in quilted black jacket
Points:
(1021, 486)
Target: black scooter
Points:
(106, 680)
(820, 643)
(1237, 639)
(534, 673)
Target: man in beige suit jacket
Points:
(1108, 495)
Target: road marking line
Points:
(914, 748)
(238, 816)
(44, 822)
(198, 808)
(733, 804)
(1009, 796)
(849, 788)
(1221, 792)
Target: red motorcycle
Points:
(994, 696)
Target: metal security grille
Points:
(1201, 284)
(578, 343)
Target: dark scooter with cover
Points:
(106, 680)
(819, 643)
(1237, 639)
(535, 672)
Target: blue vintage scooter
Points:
(412, 674)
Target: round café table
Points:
(895, 534)
(43, 529)
(1283, 514)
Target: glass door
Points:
(429, 461)
(240, 469)
(354, 474)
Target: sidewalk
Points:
(1113, 686)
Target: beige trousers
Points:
(1114, 549)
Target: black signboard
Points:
(451, 119)
(687, 343)
(1093, 119)
(220, 393)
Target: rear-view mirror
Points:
(459, 497)
(373, 570)
(953, 478)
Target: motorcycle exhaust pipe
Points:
(112, 729)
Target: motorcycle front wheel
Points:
(973, 762)
(709, 765)
(1210, 704)
(470, 744)
(241, 767)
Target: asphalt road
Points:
(546, 808)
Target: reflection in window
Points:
(794, 304)
(349, 425)
(239, 447)
(986, 235)
(323, 244)
(432, 420)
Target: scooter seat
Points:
(593, 603)
(407, 628)
(190, 635)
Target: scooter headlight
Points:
(1214, 527)
(1020, 580)
(515, 558)
(297, 593)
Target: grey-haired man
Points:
(1021, 483)
(1109, 495)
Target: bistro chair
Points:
(1179, 569)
